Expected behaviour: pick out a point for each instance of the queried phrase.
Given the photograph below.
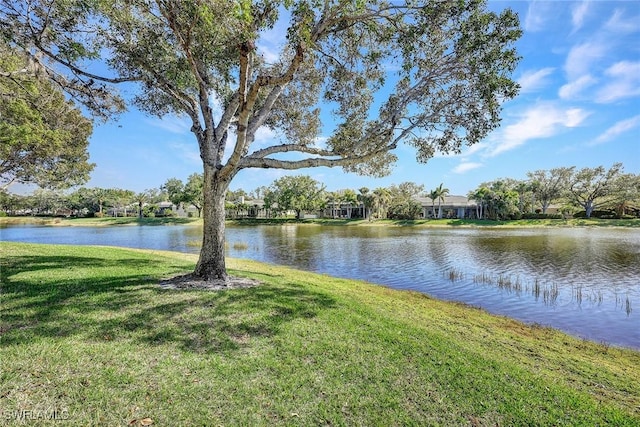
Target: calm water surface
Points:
(585, 281)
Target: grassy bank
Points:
(110, 221)
(86, 331)
(96, 222)
(574, 222)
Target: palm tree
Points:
(100, 196)
(433, 195)
(350, 198)
(366, 199)
(333, 198)
(479, 195)
(141, 199)
(441, 193)
(381, 199)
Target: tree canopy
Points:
(550, 185)
(295, 193)
(431, 74)
(43, 136)
(591, 188)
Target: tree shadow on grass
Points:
(81, 298)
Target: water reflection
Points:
(584, 281)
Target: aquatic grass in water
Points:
(578, 295)
(549, 293)
(483, 278)
(536, 288)
(240, 246)
(455, 274)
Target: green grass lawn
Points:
(95, 222)
(87, 332)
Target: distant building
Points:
(451, 207)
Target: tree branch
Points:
(285, 148)
(266, 163)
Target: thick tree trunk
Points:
(545, 206)
(588, 208)
(211, 264)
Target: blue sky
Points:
(579, 106)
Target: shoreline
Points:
(421, 223)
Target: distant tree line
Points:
(608, 193)
(584, 192)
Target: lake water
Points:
(585, 281)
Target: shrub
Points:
(403, 211)
(597, 214)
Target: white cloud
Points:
(624, 82)
(321, 142)
(581, 57)
(537, 15)
(617, 129)
(531, 81)
(466, 166)
(541, 121)
(573, 117)
(269, 54)
(578, 15)
(573, 89)
(620, 22)
(265, 137)
(474, 149)
(174, 124)
(273, 40)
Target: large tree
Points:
(43, 136)
(295, 193)
(175, 191)
(550, 185)
(403, 203)
(591, 188)
(436, 72)
(193, 191)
